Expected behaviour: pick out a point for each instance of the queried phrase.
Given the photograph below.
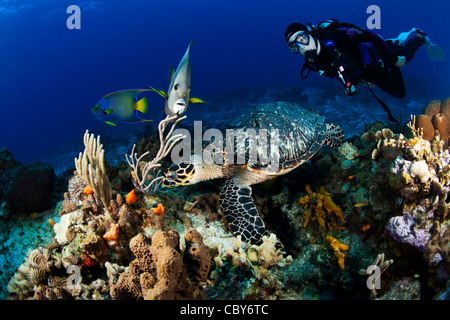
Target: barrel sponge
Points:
(440, 122)
(169, 271)
(161, 270)
(435, 116)
(432, 107)
(423, 121)
(126, 288)
(445, 107)
(141, 248)
(162, 239)
(197, 256)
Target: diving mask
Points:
(300, 42)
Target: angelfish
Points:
(121, 106)
(177, 96)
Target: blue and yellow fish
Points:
(121, 106)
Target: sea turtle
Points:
(301, 133)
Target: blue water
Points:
(51, 76)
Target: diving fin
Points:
(435, 52)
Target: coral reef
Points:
(385, 190)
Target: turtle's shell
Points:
(295, 132)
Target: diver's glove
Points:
(332, 51)
(401, 61)
(311, 56)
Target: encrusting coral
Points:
(262, 260)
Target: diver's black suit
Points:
(364, 56)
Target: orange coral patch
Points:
(88, 262)
(131, 197)
(159, 209)
(88, 190)
(113, 233)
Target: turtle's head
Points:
(191, 172)
(182, 174)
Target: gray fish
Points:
(177, 96)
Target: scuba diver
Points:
(351, 54)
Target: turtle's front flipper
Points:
(240, 211)
(334, 136)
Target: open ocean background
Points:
(51, 76)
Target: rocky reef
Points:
(376, 204)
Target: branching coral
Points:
(90, 166)
(139, 173)
(323, 207)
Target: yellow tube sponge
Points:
(337, 247)
(323, 207)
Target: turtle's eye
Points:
(171, 175)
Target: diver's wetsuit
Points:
(364, 56)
